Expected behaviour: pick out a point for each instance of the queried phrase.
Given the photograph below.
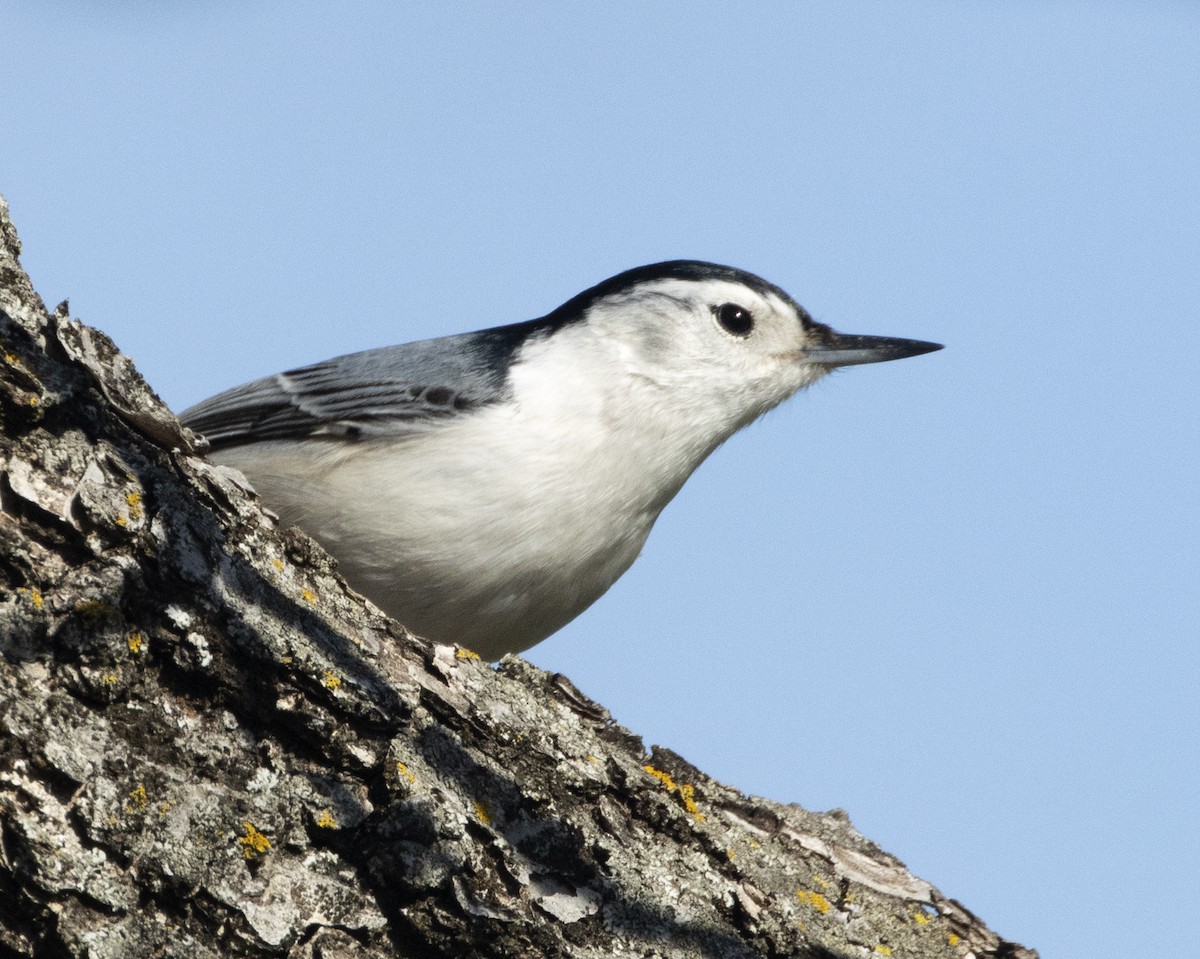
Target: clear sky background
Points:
(956, 595)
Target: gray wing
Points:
(389, 392)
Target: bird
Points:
(486, 488)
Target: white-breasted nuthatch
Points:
(486, 488)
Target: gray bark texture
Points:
(211, 746)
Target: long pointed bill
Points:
(842, 350)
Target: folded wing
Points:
(389, 392)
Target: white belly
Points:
(486, 555)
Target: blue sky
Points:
(957, 595)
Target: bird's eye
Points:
(734, 319)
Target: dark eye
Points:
(735, 319)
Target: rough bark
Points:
(210, 746)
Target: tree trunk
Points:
(210, 746)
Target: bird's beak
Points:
(840, 349)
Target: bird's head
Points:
(716, 340)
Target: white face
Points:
(715, 346)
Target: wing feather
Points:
(390, 392)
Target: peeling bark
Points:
(210, 746)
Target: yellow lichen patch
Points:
(332, 680)
(483, 813)
(593, 759)
(134, 502)
(308, 595)
(278, 564)
(462, 653)
(35, 595)
(404, 771)
(34, 401)
(664, 778)
(730, 855)
(254, 843)
(109, 679)
(920, 918)
(137, 642)
(883, 950)
(814, 899)
(687, 793)
(137, 800)
(164, 808)
(953, 939)
(819, 881)
(326, 820)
